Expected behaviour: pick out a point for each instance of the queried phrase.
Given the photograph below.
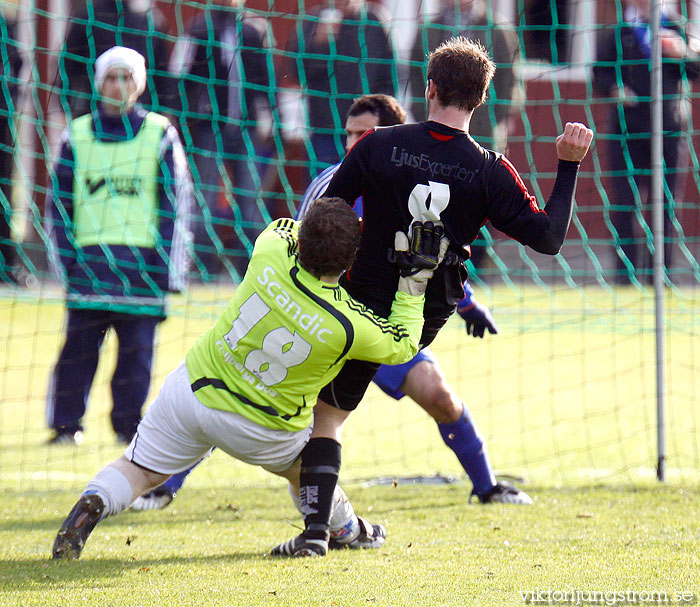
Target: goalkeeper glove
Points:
(419, 256)
(477, 316)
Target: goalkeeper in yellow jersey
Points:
(248, 386)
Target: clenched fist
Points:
(574, 142)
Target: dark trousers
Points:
(629, 208)
(8, 255)
(230, 230)
(77, 363)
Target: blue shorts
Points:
(390, 377)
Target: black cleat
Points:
(371, 536)
(76, 529)
(301, 546)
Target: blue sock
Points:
(464, 439)
(176, 481)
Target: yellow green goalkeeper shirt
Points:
(286, 334)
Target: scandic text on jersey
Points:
(422, 162)
(284, 301)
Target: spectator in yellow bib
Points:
(118, 218)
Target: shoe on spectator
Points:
(123, 438)
(66, 437)
(155, 499)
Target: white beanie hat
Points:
(127, 58)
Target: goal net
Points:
(566, 392)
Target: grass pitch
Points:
(564, 395)
(208, 548)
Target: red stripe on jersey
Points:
(361, 137)
(440, 136)
(521, 184)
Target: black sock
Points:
(320, 465)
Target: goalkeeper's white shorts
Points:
(178, 431)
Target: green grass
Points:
(565, 396)
(208, 549)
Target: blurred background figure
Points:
(118, 221)
(348, 40)
(101, 24)
(622, 72)
(475, 20)
(469, 18)
(542, 17)
(10, 65)
(226, 90)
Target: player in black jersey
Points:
(429, 171)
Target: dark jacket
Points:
(360, 60)
(222, 69)
(10, 65)
(97, 27)
(117, 277)
(631, 68)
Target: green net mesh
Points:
(258, 96)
